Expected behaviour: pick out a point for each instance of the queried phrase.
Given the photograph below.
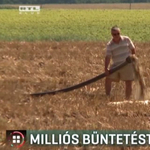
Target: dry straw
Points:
(140, 87)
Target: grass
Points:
(73, 25)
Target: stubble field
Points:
(28, 67)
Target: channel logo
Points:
(32, 9)
(16, 138)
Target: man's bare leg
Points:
(128, 89)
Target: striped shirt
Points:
(119, 51)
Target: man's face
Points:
(115, 34)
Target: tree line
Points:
(68, 1)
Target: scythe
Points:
(128, 60)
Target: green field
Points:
(75, 24)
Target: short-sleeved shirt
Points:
(119, 51)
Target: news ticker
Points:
(18, 138)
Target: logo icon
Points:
(16, 138)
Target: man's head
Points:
(115, 32)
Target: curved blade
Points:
(80, 84)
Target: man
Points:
(118, 49)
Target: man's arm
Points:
(131, 46)
(133, 51)
(107, 62)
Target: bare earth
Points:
(28, 67)
(89, 6)
(98, 6)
